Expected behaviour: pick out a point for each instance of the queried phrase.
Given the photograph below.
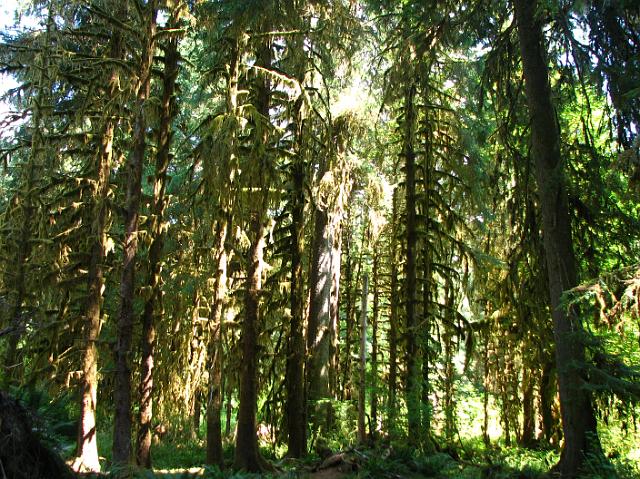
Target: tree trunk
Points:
(334, 306)
(528, 419)
(215, 454)
(393, 318)
(547, 393)
(87, 444)
(374, 345)
(318, 326)
(578, 419)
(413, 376)
(362, 433)
(247, 456)
(349, 301)
(122, 387)
(153, 305)
(296, 420)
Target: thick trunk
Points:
(413, 374)
(578, 419)
(122, 387)
(153, 306)
(318, 325)
(296, 421)
(362, 433)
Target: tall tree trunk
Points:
(334, 306)
(153, 305)
(318, 326)
(374, 345)
(87, 444)
(547, 393)
(122, 387)
(528, 418)
(215, 454)
(247, 455)
(296, 420)
(578, 419)
(362, 433)
(348, 317)
(413, 376)
(393, 318)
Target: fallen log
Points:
(22, 453)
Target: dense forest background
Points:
(237, 230)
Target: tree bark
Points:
(578, 419)
(153, 305)
(87, 444)
(393, 318)
(318, 326)
(247, 455)
(349, 309)
(413, 376)
(215, 454)
(374, 345)
(362, 432)
(122, 387)
(296, 420)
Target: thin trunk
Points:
(87, 444)
(485, 393)
(528, 419)
(578, 419)
(449, 369)
(122, 387)
(413, 379)
(393, 318)
(228, 410)
(547, 393)
(334, 308)
(449, 404)
(153, 306)
(247, 455)
(215, 454)
(349, 300)
(362, 433)
(296, 422)
(374, 346)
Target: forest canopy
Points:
(398, 236)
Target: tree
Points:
(122, 392)
(578, 419)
